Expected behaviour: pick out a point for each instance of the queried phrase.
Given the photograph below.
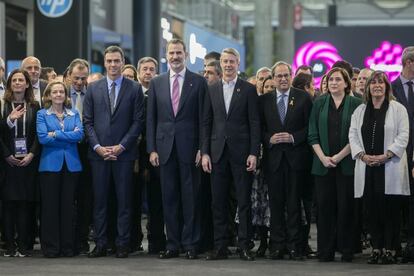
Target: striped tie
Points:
(175, 95)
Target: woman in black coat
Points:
(19, 146)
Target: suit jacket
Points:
(239, 129)
(318, 132)
(7, 134)
(163, 128)
(395, 139)
(398, 92)
(122, 127)
(63, 147)
(296, 123)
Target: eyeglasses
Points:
(280, 76)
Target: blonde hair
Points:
(47, 101)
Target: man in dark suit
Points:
(231, 139)
(113, 119)
(173, 142)
(33, 66)
(285, 118)
(403, 88)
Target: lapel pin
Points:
(191, 84)
(292, 101)
(238, 90)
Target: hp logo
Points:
(54, 8)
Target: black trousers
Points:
(180, 186)
(335, 201)
(57, 190)
(16, 216)
(284, 198)
(136, 234)
(384, 211)
(223, 172)
(207, 229)
(84, 199)
(306, 206)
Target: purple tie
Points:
(175, 96)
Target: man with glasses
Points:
(285, 114)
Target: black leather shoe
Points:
(276, 254)
(326, 257)
(374, 258)
(191, 255)
(388, 258)
(246, 255)
(219, 254)
(295, 255)
(261, 251)
(121, 252)
(168, 254)
(97, 252)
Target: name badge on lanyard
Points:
(20, 144)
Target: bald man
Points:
(33, 66)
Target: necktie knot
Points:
(409, 83)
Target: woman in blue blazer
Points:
(59, 129)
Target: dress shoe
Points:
(246, 255)
(217, 254)
(168, 254)
(324, 258)
(191, 255)
(310, 253)
(121, 252)
(261, 251)
(347, 257)
(98, 252)
(374, 258)
(295, 255)
(388, 258)
(276, 254)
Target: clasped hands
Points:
(281, 137)
(374, 160)
(109, 153)
(330, 161)
(14, 162)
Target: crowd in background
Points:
(219, 161)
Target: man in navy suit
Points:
(113, 117)
(231, 139)
(403, 88)
(173, 142)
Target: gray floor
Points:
(142, 264)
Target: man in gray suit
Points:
(113, 118)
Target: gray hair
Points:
(145, 60)
(216, 65)
(408, 54)
(267, 69)
(279, 63)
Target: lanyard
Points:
(17, 124)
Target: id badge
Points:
(20, 147)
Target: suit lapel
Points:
(104, 87)
(186, 90)
(220, 97)
(400, 91)
(290, 105)
(235, 97)
(165, 91)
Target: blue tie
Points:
(282, 108)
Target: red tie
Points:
(175, 96)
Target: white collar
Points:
(181, 73)
(279, 94)
(67, 111)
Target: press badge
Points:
(20, 147)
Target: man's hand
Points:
(26, 160)
(251, 163)
(105, 153)
(198, 158)
(154, 159)
(12, 161)
(281, 137)
(117, 150)
(206, 163)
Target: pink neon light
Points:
(387, 54)
(312, 51)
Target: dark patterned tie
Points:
(410, 95)
(282, 108)
(112, 97)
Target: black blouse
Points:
(373, 128)
(334, 126)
